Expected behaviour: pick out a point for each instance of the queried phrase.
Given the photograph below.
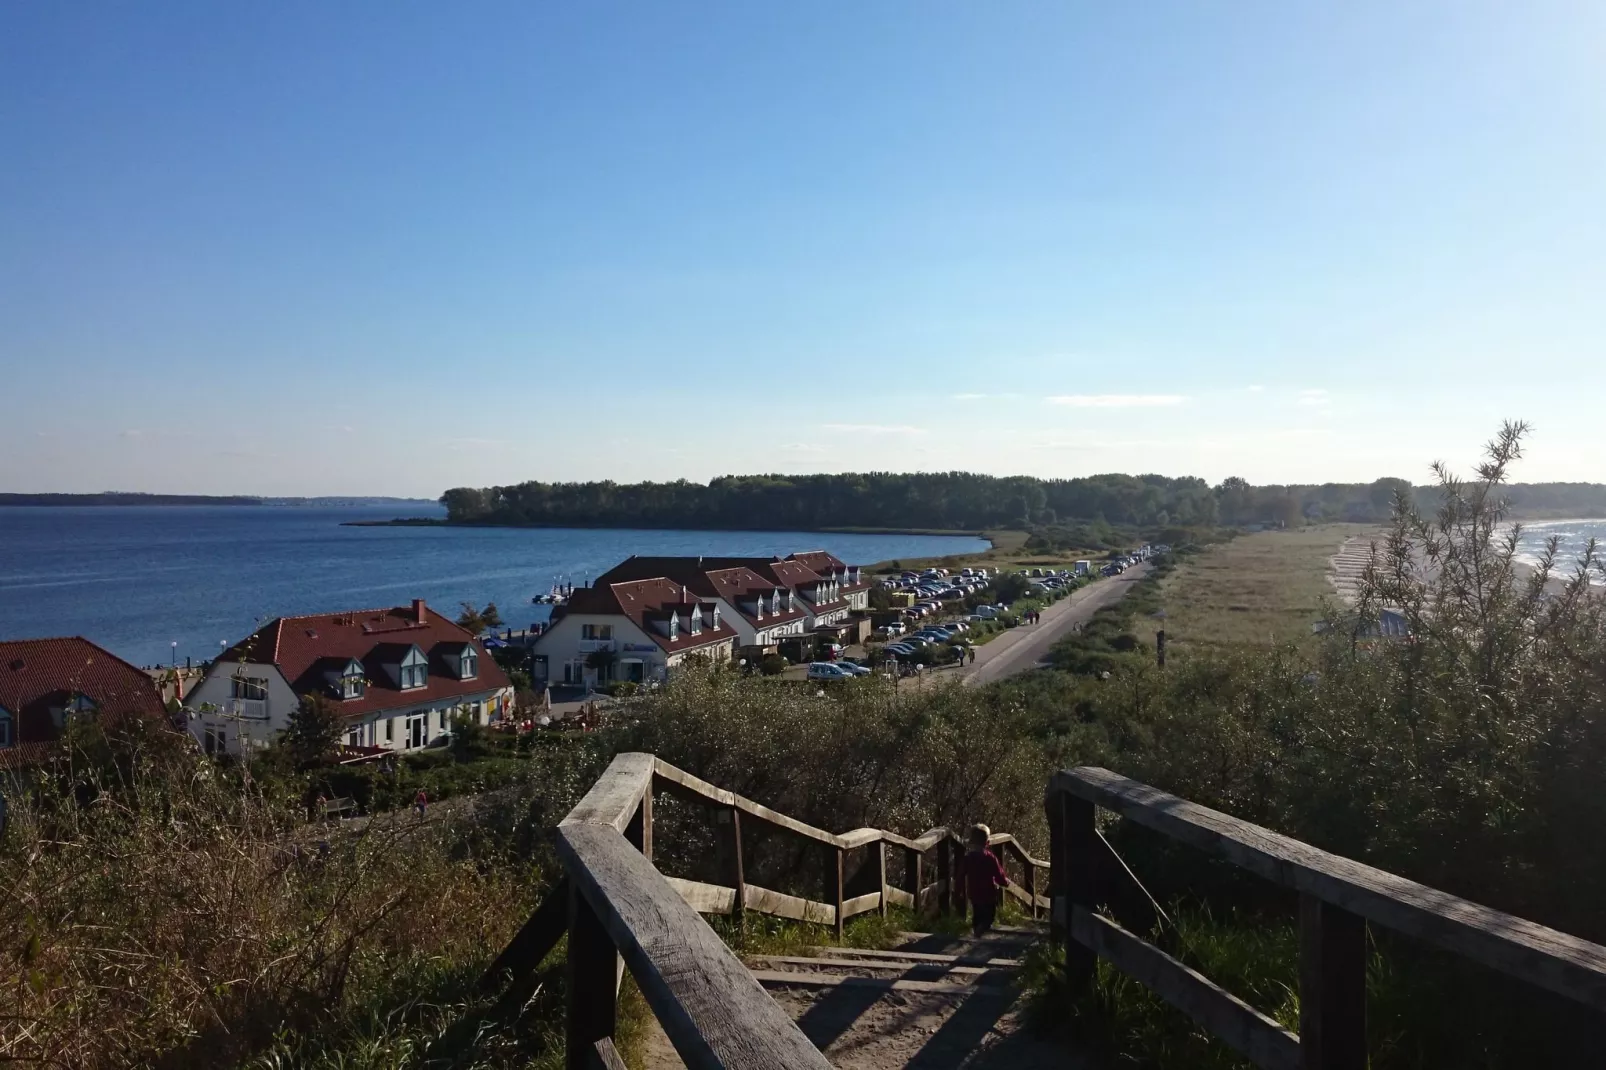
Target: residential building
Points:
(851, 584)
(397, 677)
(47, 683)
(761, 610)
(633, 630)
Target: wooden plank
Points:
(930, 899)
(912, 956)
(604, 1056)
(861, 904)
(1523, 949)
(885, 984)
(945, 885)
(1252, 1034)
(1016, 848)
(704, 898)
(593, 968)
(613, 799)
(860, 838)
(687, 784)
(844, 962)
(899, 898)
(765, 901)
(1332, 986)
(711, 1008)
(533, 942)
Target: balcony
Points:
(252, 709)
(588, 646)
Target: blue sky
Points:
(395, 247)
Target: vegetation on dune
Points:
(1076, 512)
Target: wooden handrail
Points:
(616, 906)
(1338, 897)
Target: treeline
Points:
(962, 501)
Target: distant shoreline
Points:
(434, 522)
(120, 499)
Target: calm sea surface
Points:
(137, 579)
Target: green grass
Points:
(1256, 590)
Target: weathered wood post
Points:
(945, 873)
(739, 875)
(1332, 987)
(1031, 885)
(639, 830)
(841, 861)
(911, 875)
(881, 862)
(594, 966)
(1081, 886)
(955, 869)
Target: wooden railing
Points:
(620, 911)
(1337, 896)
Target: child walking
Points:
(983, 876)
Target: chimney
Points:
(420, 613)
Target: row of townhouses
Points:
(399, 676)
(646, 615)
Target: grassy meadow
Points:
(1257, 590)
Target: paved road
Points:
(1023, 648)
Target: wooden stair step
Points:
(913, 956)
(886, 984)
(947, 966)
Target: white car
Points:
(895, 628)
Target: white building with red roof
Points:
(633, 630)
(45, 683)
(397, 677)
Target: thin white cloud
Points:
(970, 397)
(876, 429)
(1254, 388)
(803, 447)
(1117, 401)
(1313, 398)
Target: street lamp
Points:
(174, 659)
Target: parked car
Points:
(895, 628)
(832, 651)
(957, 625)
(825, 670)
(900, 650)
(952, 593)
(987, 612)
(854, 667)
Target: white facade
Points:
(569, 642)
(240, 704)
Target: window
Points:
(353, 684)
(390, 729)
(470, 665)
(250, 687)
(596, 631)
(5, 728)
(674, 625)
(716, 618)
(414, 670)
(696, 621)
(354, 738)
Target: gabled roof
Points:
(701, 577)
(38, 675)
(303, 649)
(642, 602)
(825, 562)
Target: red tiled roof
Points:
(824, 562)
(643, 601)
(38, 675)
(730, 582)
(308, 649)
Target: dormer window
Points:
(353, 681)
(716, 618)
(775, 601)
(414, 670)
(696, 622)
(468, 666)
(674, 625)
